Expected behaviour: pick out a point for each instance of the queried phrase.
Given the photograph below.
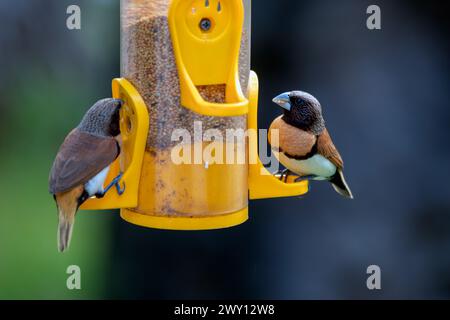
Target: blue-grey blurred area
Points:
(385, 99)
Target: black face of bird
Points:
(114, 124)
(301, 110)
(102, 118)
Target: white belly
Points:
(95, 185)
(316, 165)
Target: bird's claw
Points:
(115, 182)
(285, 175)
(303, 178)
(282, 173)
(119, 190)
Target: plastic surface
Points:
(186, 223)
(134, 125)
(216, 51)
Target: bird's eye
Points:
(299, 102)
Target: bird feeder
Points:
(185, 64)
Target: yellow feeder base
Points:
(185, 223)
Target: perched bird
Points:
(305, 147)
(82, 163)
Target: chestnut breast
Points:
(292, 140)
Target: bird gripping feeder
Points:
(185, 62)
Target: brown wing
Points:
(326, 148)
(81, 157)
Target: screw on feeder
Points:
(205, 24)
(206, 3)
(219, 7)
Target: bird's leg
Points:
(286, 175)
(303, 178)
(277, 172)
(120, 191)
(114, 182)
(282, 173)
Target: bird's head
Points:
(103, 118)
(301, 110)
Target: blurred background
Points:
(385, 98)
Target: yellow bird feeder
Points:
(186, 63)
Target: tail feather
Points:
(340, 185)
(65, 228)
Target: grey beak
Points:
(283, 101)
